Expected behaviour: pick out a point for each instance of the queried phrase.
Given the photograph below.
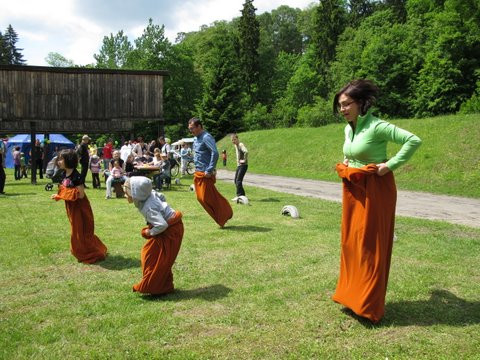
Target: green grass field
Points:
(258, 289)
(448, 162)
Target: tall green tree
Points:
(12, 54)
(452, 54)
(114, 52)
(329, 24)
(222, 105)
(249, 39)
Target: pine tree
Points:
(249, 39)
(13, 55)
(221, 107)
(3, 51)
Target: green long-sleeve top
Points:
(367, 143)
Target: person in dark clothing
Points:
(2, 171)
(38, 158)
(84, 157)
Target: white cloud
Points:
(47, 26)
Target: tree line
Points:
(281, 68)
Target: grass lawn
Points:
(258, 289)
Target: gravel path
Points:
(453, 209)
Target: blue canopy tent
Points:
(23, 140)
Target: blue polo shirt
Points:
(205, 153)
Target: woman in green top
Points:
(369, 199)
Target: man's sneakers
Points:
(235, 199)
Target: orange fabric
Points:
(158, 255)
(84, 244)
(211, 200)
(368, 220)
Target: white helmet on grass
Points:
(242, 200)
(290, 210)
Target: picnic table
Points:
(147, 170)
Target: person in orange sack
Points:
(205, 159)
(369, 199)
(164, 234)
(84, 244)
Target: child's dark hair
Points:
(70, 158)
(17, 148)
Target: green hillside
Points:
(448, 161)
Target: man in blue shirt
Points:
(205, 159)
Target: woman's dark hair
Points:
(195, 121)
(363, 92)
(70, 158)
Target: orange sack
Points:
(84, 244)
(368, 221)
(211, 200)
(158, 255)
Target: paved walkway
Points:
(453, 209)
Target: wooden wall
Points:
(79, 96)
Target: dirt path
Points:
(453, 209)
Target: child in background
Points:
(23, 166)
(165, 174)
(117, 171)
(16, 162)
(129, 165)
(95, 168)
(185, 154)
(224, 157)
(164, 235)
(84, 244)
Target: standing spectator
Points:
(3, 176)
(242, 165)
(107, 153)
(164, 146)
(185, 155)
(125, 151)
(205, 158)
(224, 157)
(16, 162)
(95, 167)
(92, 149)
(369, 199)
(84, 157)
(38, 158)
(23, 166)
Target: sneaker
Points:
(235, 199)
(108, 197)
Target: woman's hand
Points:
(345, 162)
(55, 197)
(382, 169)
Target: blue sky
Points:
(75, 28)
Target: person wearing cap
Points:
(205, 158)
(84, 156)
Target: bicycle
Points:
(175, 167)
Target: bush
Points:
(318, 114)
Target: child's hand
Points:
(55, 197)
(146, 232)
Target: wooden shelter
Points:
(36, 99)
